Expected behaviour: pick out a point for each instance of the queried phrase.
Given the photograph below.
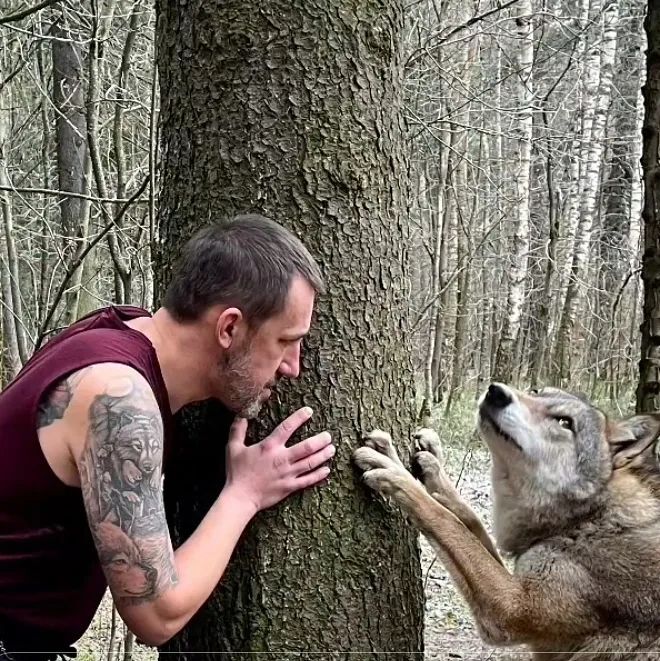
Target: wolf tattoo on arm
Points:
(120, 471)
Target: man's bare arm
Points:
(120, 476)
(120, 465)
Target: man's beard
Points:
(242, 394)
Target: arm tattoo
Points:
(53, 405)
(121, 482)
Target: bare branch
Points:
(80, 196)
(24, 13)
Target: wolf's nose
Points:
(497, 396)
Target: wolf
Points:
(576, 510)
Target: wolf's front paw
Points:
(379, 460)
(381, 441)
(427, 463)
(428, 440)
(367, 458)
(385, 481)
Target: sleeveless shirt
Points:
(51, 581)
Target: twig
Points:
(19, 15)
(61, 193)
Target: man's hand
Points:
(269, 471)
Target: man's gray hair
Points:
(247, 262)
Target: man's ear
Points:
(227, 326)
(630, 438)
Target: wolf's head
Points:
(554, 453)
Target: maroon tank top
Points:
(51, 581)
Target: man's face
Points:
(253, 366)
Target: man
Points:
(86, 425)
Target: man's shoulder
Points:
(111, 379)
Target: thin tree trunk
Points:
(506, 353)
(436, 224)
(129, 642)
(12, 304)
(71, 142)
(582, 121)
(466, 209)
(597, 96)
(486, 282)
(550, 257)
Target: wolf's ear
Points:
(629, 438)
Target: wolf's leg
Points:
(508, 609)
(437, 483)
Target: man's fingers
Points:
(308, 447)
(285, 429)
(310, 479)
(313, 461)
(238, 430)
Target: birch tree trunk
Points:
(600, 63)
(506, 353)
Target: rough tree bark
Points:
(292, 109)
(648, 390)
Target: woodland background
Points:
(522, 124)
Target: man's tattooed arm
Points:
(120, 471)
(113, 429)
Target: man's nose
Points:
(290, 366)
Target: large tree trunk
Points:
(293, 110)
(648, 390)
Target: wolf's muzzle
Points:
(497, 397)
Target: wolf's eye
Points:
(534, 391)
(565, 422)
